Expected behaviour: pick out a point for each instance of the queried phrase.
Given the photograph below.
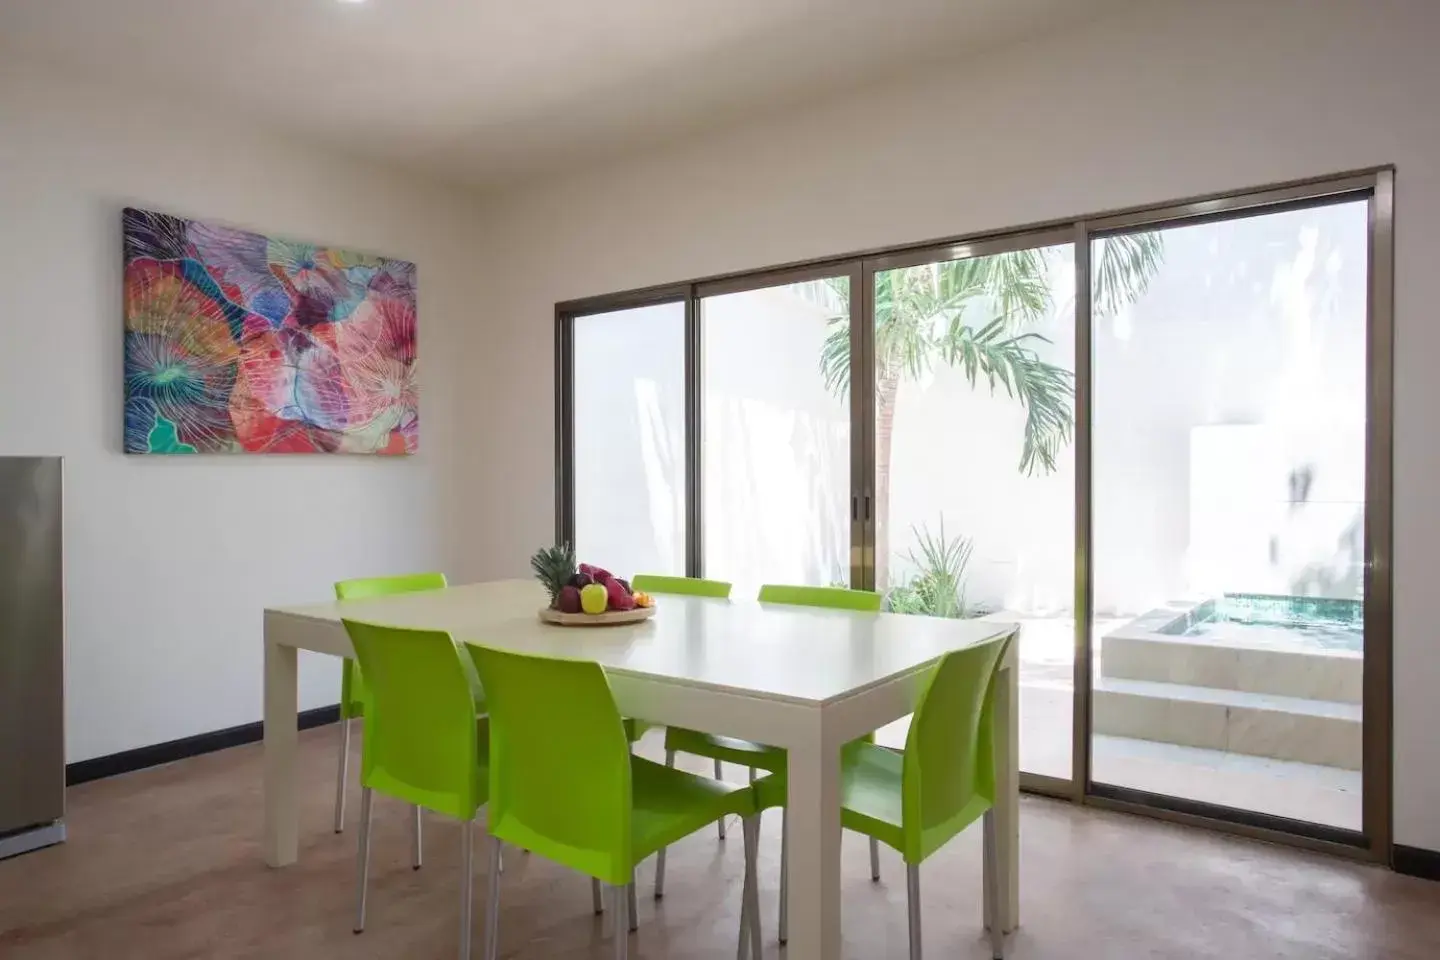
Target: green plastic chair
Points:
(834, 598)
(563, 784)
(758, 756)
(423, 742)
(917, 801)
(678, 586)
(688, 586)
(352, 683)
(681, 586)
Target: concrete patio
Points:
(1310, 792)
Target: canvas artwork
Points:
(241, 343)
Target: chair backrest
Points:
(949, 765)
(559, 762)
(421, 742)
(836, 598)
(352, 684)
(686, 586)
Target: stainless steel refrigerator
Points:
(32, 655)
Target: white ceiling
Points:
(487, 91)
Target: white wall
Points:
(170, 561)
(1172, 99)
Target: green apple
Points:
(593, 598)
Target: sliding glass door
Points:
(1158, 441)
(775, 448)
(1229, 517)
(627, 436)
(974, 479)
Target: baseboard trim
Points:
(31, 839)
(128, 761)
(1416, 862)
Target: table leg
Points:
(814, 854)
(1007, 787)
(281, 735)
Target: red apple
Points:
(617, 596)
(569, 600)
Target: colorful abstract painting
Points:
(241, 343)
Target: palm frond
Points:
(926, 314)
(835, 356)
(839, 292)
(835, 351)
(1016, 282)
(1045, 390)
(1123, 267)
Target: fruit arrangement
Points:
(583, 588)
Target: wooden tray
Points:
(609, 618)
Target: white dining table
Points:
(801, 678)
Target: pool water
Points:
(1277, 622)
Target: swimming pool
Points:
(1274, 622)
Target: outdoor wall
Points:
(169, 561)
(1169, 100)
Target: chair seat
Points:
(870, 794)
(670, 804)
(745, 753)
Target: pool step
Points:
(1131, 654)
(1302, 729)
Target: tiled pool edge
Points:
(1158, 685)
(1151, 647)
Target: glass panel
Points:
(776, 450)
(629, 434)
(975, 478)
(1229, 483)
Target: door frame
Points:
(1373, 840)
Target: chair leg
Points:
(500, 868)
(992, 886)
(660, 857)
(720, 775)
(630, 906)
(366, 795)
(742, 950)
(750, 909)
(492, 903)
(912, 901)
(342, 775)
(467, 885)
(620, 899)
(599, 902)
(784, 874)
(415, 848)
(874, 859)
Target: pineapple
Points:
(554, 566)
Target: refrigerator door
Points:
(32, 645)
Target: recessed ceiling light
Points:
(352, 1)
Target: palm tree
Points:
(972, 314)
